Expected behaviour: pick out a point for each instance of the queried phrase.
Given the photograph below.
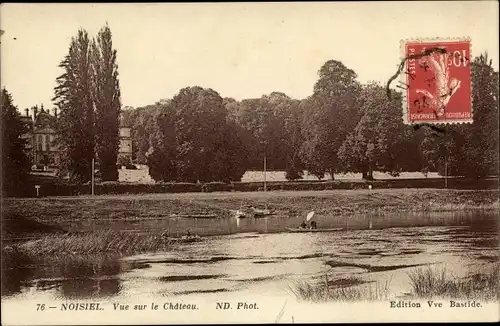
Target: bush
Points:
(217, 186)
(58, 188)
(107, 188)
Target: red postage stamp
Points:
(437, 81)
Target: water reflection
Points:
(13, 278)
(90, 280)
(73, 277)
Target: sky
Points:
(241, 50)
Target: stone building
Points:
(125, 147)
(41, 147)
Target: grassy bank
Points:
(58, 210)
(426, 283)
(86, 247)
(97, 216)
(94, 243)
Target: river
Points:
(252, 261)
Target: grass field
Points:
(142, 176)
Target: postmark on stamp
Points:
(437, 81)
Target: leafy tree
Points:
(230, 160)
(329, 115)
(285, 133)
(312, 153)
(469, 150)
(481, 137)
(162, 161)
(410, 156)
(200, 120)
(144, 130)
(15, 162)
(291, 116)
(376, 140)
(258, 118)
(106, 91)
(251, 158)
(233, 108)
(444, 151)
(74, 100)
(198, 143)
(272, 125)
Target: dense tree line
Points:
(199, 136)
(87, 95)
(344, 126)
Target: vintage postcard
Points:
(203, 163)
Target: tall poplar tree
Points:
(73, 98)
(106, 90)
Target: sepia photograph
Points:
(286, 162)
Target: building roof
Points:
(44, 119)
(123, 123)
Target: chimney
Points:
(27, 112)
(55, 112)
(35, 112)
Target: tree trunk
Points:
(367, 174)
(332, 175)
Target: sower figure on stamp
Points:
(444, 87)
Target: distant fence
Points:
(50, 189)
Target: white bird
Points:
(310, 216)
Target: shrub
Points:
(217, 186)
(65, 189)
(434, 282)
(305, 291)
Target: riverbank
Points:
(92, 225)
(83, 213)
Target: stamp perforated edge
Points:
(403, 78)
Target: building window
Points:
(47, 143)
(40, 143)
